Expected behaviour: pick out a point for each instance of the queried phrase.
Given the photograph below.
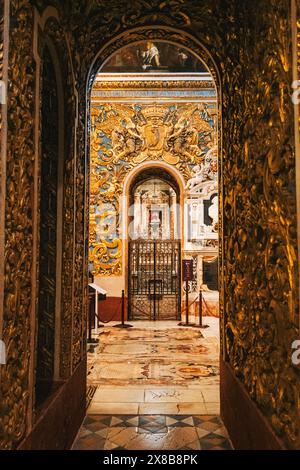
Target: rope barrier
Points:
(112, 317)
(184, 308)
(181, 311)
(208, 309)
(146, 314)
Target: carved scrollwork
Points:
(260, 249)
(18, 227)
(54, 31)
(257, 185)
(122, 137)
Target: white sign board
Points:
(98, 289)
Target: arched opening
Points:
(154, 143)
(123, 89)
(146, 77)
(154, 247)
(154, 198)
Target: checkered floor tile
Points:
(132, 432)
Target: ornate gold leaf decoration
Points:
(18, 226)
(123, 136)
(54, 32)
(154, 84)
(257, 186)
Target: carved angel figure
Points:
(204, 180)
(194, 182)
(117, 141)
(184, 139)
(125, 141)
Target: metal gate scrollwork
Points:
(154, 280)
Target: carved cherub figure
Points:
(125, 140)
(203, 176)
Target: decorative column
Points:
(137, 215)
(173, 215)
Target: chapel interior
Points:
(149, 225)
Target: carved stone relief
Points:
(18, 227)
(259, 226)
(122, 137)
(54, 31)
(257, 182)
(259, 279)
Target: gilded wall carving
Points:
(257, 185)
(56, 34)
(80, 255)
(298, 51)
(122, 137)
(260, 249)
(1, 64)
(18, 227)
(17, 330)
(257, 182)
(48, 238)
(2, 162)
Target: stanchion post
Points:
(91, 318)
(187, 303)
(123, 324)
(200, 308)
(90, 322)
(201, 311)
(123, 308)
(187, 268)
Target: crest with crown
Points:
(155, 111)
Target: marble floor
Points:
(155, 368)
(157, 376)
(152, 432)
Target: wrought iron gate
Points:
(154, 280)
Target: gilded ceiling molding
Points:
(153, 84)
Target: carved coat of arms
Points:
(156, 132)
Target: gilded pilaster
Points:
(4, 25)
(18, 226)
(250, 43)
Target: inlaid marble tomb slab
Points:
(162, 357)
